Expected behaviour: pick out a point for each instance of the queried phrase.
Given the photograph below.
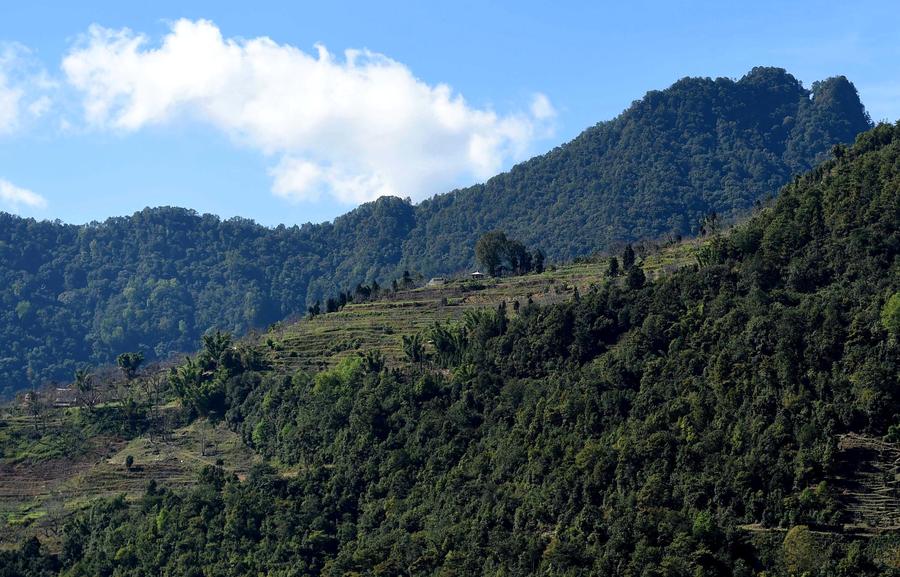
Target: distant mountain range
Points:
(157, 280)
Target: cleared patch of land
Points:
(379, 324)
(868, 482)
(36, 494)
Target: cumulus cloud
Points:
(14, 197)
(354, 127)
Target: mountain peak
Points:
(770, 76)
(839, 96)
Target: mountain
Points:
(159, 279)
(154, 282)
(673, 157)
(734, 417)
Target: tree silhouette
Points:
(129, 363)
(628, 257)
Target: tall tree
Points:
(538, 259)
(129, 363)
(628, 257)
(490, 250)
(612, 269)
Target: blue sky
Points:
(259, 112)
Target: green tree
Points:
(414, 348)
(801, 554)
(88, 395)
(635, 277)
(217, 348)
(538, 259)
(711, 224)
(628, 257)
(129, 363)
(518, 257)
(490, 251)
(203, 390)
(890, 315)
(612, 270)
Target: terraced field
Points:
(37, 494)
(379, 325)
(868, 482)
(44, 480)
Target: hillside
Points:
(158, 280)
(737, 417)
(673, 157)
(56, 462)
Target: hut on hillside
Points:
(65, 397)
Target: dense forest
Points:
(156, 281)
(673, 157)
(636, 429)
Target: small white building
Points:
(65, 397)
(477, 275)
(436, 281)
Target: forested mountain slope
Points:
(700, 146)
(639, 428)
(159, 279)
(155, 281)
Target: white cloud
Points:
(541, 108)
(354, 127)
(23, 87)
(40, 106)
(14, 197)
(10, 96)
(9, 106)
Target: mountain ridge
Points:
(158, 279)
